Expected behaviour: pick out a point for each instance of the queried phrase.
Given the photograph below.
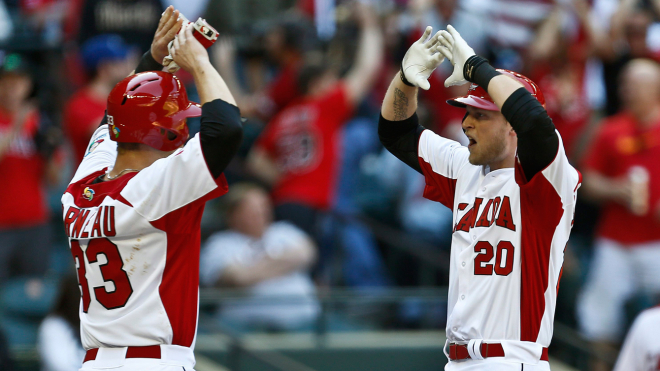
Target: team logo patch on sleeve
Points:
(93, 146)
(88, 193)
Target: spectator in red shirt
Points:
(622, 172)
(108, 59)
(284, 47)
(299, 152)
(25, 166)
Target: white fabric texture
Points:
(226, 248)
(58, 345)
(641, 350)
(617, 272)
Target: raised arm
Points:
(368, 57)
(538, 142)
(398, 128)
(221, 131)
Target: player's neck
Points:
(135, 160)
(507, 162)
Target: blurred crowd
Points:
(309, 77)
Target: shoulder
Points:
(615, 125)
(223, 239)
(649, 318)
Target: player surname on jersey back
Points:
(95, 222)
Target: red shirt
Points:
(23, 197)
(82, 115)
(620, 145)
(304, 142)
(281, 91)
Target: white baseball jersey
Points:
(507, 246)
(135, 242)
(641, 350)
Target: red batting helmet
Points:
(150, 108)
(478, 96)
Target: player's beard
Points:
(487, 151)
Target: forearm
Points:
(400, 100)
(267, 268)
(262, 167)
(210, 85)
(600, 188)
(368, 60)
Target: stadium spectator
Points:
(622, 172)
(28, 165)
(297, 153)
(284, 47)
(133, 20)
(108, 60)
(269, 260)
(626, 39)
(58, 341)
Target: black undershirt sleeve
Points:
(401, 138)
(221, 134)
(537, 140)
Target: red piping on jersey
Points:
(179, 288)
(110, 188)
(438, 187)
(541, 211)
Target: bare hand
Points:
(170, 23)
(186, 51)
(621, 192)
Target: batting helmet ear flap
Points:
(150, 108)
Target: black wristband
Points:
(479, 71)
(148, 63)
(403, 76)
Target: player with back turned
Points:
(513, 195)
(133, 209)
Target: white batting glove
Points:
(422, 59)
(457, 51)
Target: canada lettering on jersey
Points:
(496, 210)
(94, 222)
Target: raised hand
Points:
(169, 24)
(422, 59)
(187, 52)
(457, 51)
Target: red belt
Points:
(152, 351)
(460, 351)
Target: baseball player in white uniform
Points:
(641, 350)
(512, 192)
(132, 211)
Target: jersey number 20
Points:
(502, 265)
(112, 271)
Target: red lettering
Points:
(505, 219)
(496, 206)
(79, 260)
(109, 221)
(483, 219)
(508, 266)
(111, 271)
(484, 252)
(71, 215)
(80, 221)
(96, 228)
(465, 222)
(475, 208)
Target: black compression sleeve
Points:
(537, 140)
(221, 134)
(148, 63)
(401, 139)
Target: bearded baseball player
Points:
(132, 211)
(513, 195)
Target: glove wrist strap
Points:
(403, 76)
(479, 71)
(148, 63)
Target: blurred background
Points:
(324, 255)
